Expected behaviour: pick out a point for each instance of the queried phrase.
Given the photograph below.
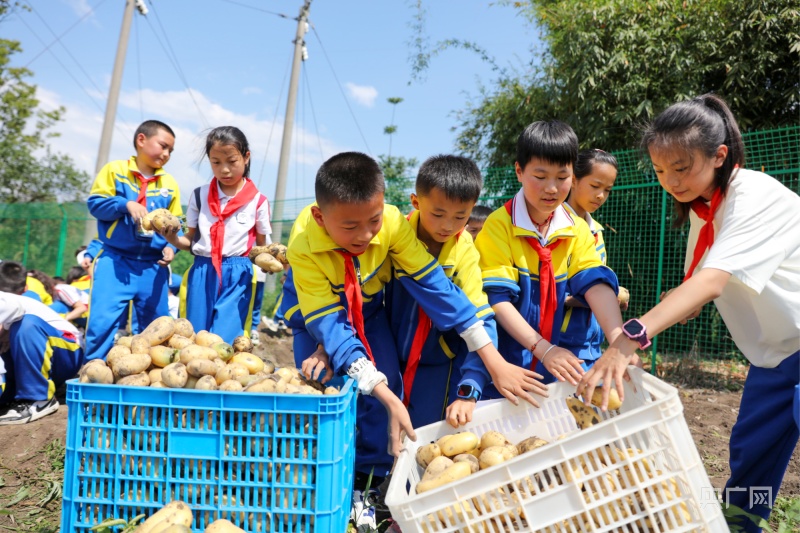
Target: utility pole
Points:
(288, 123)
(113, 98)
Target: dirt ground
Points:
(31, 456)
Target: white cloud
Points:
(363, 94)
(83, 123)
(251, 90)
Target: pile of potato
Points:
(176, 517)
(168, 353)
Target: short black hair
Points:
(588, 158)
(75, 273)
(349, 178)
(229, 136)
(13, 277)
(458, 177)
(150, 128)
(552, 141)
(480, 213)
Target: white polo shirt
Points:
(238, 235)
(71, 295)
(13, 307)
(757, 241)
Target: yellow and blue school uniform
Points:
(35, 289)
(510, 270)
(445, 361)
(580, 332)
(127, 267)
(315, 307)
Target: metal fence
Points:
(643, 249)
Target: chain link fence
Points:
(645, 251)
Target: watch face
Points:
(633, 328)
(465, 390)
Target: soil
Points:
(29, 456)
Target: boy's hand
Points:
(168, 254)
(399, 421)
(563, 365)
(460, 412)
(512, 381)
(313, 366)
(137, 211)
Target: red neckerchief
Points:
(242, 198)
(548, 301)
(143, 182)
(355, 301)
(706, 237)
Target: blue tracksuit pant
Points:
(40, 359)
(116, 281)
(763, 438)
(372, 421)
(224, 310)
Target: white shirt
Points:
(757, 241)
(71, 295)
(237, 226)
(522, 219)
(13, 307)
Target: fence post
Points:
(62, 242)
(661, 236)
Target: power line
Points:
(139, 68)
(274, 119)
(254, 8)
(346, 101)
(58, 37)
(313, 114)
(174, 60)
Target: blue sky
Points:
(235, 60)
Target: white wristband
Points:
(475, 336)
(366, 375)
(547, 351)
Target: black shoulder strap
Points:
(196, 236)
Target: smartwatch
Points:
(635, 330)
(468, 392)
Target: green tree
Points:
(611, 65)
(397, 172)
(24, 176)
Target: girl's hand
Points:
(515, 382)
(399, 420)
(315, 364)
(460, 412)
(610, 368)
(563, 364)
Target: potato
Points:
(204, 338)
(183, 328)
(129, 365)
(206, 383)
(201, 367)
(158, 385)
(140, 344)
(330, 390)
(454, 472)
(468, 458)
(267, 263)
(530, 444)
(427, 453)
(96, 373)
(224, 350)
(175, 375)
(125, 341)
(220, 363)
(623, 296)
(231, 385)
(251, 362)
(494, 455)
(460, 443)
(194, 351)
(147, 221)
(175, 528)
(117, 351)
(159, 330)
(613, 399)
(136, 380)
(263, 385)
(255, 251)
(278, 251)
(175, 512)
(493, 438)
(154, 375)
(242, 344)
(584, 416)
(233, 371)
(165, 222)
(191, 381)
(179, 342)
(223, 526)
(436, 467)
(285, 374)
(163, 356)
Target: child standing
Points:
(476, 219)
(441, 377)
(744, 254)
(39, 349)
(594, 175)
(224, 219)
(533, 251)
(132, 265)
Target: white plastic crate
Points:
(575, 484)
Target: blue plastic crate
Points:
(266, 462)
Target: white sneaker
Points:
(24, 411)
(360, 514)
(254, 337)
(269, 325)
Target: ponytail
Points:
(702, 123)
